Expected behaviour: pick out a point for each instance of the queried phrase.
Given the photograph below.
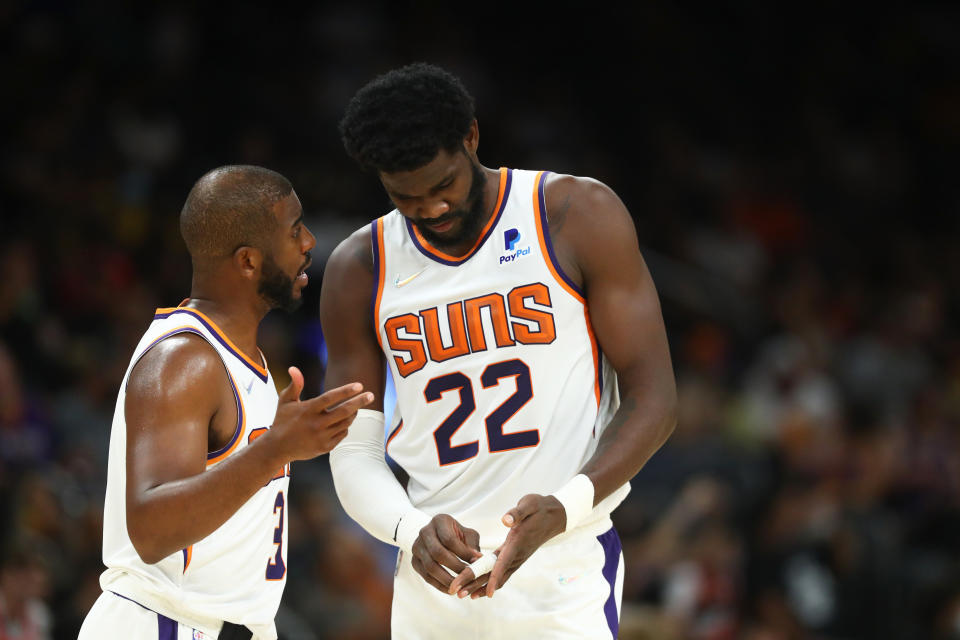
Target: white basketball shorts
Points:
(113, 616)
(569, 589)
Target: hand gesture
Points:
(444, 542)
(532, 522)
(308, 428)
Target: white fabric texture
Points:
(367, 488)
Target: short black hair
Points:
(230, 207)
(400, 120)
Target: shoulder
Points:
(583, 210)
(348, 277)
(354, 253)
(559, 186)
(183, 364)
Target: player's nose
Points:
(434, 209)
(309, 240)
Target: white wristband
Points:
(577, 499)
(409, 528)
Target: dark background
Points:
(789, 171)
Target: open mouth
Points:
(302, 274)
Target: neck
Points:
(238, 317)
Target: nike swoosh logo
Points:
(399, 283)
(250, 387)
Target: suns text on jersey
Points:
(522, 316)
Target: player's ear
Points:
(248, 260)
(472, 140)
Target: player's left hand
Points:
(532, 522)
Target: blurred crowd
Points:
(788, 174)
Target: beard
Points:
(471, 216)
(276, 287)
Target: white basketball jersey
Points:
(237, 573)
(501, 388)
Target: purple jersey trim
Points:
(237, 432)
(393, 433)
(175, 332)
(600, 371)
(233, 387)
(612, 548)
(376, 273)
(546, 236)
(215, 334)
(489, 232)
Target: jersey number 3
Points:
(276, 568)
(497, 440)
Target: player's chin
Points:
(294, 302)
(447, 235)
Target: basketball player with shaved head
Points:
(195, 526)
(523, 333)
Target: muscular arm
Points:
(594, 240)
(367, 488)
(177, 395)
(174, 394)
(597, 245)
(348, 282)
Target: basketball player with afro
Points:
(523, 333)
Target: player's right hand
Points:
(444, 542)
(305, 429)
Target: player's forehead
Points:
(420, 181)
(288, 210)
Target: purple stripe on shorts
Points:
(166, 628)
(610, 542)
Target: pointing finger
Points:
(348, 408)
(333, 397)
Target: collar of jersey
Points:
(215, 331)
(506, 178)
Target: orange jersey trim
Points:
(241, 425)
(480, 238)
(393, 435)
(379, 260)
(212, 326)
(548, 258)
(539, 215)
(595, 350)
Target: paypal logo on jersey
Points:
(510, 239)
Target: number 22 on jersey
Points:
(497, 439)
